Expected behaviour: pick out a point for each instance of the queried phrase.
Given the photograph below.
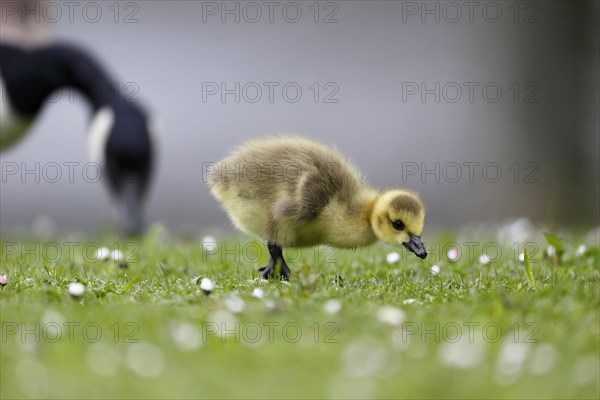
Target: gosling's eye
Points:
(398, 225)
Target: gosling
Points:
(294, 192)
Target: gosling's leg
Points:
(271, 270)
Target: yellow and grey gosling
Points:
(294, 192)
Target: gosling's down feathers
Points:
(291, 191)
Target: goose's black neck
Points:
(30, 76)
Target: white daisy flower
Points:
(185, 335)
(393, 257)
(258, 293)
(103, 253)
(512, 357)
(206, 285)
(332, 307)
(435, 270)
(453, 254)
(209, 243)
(116, 255)
(235, 304)
(580, 250)
(484, 259)
(461, 354)
(543, 359)
(103, 359)
(76, 289)
(391, 315)
(145, 360)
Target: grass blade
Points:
(555, 242)
(528, 272)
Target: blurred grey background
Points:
(543, 55)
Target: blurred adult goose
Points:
(291, 191)
(119, 132)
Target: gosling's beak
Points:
(129, 209)
(416, 246)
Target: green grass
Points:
(146, 330)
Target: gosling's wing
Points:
(291, 176)
(316, 191)
(262, 169)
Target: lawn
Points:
(368, 323)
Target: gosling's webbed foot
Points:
(270, 271)
(267, 270)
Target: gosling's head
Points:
(398, 218)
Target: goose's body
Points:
(119, 133)
(13, 127)
(290, 191)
